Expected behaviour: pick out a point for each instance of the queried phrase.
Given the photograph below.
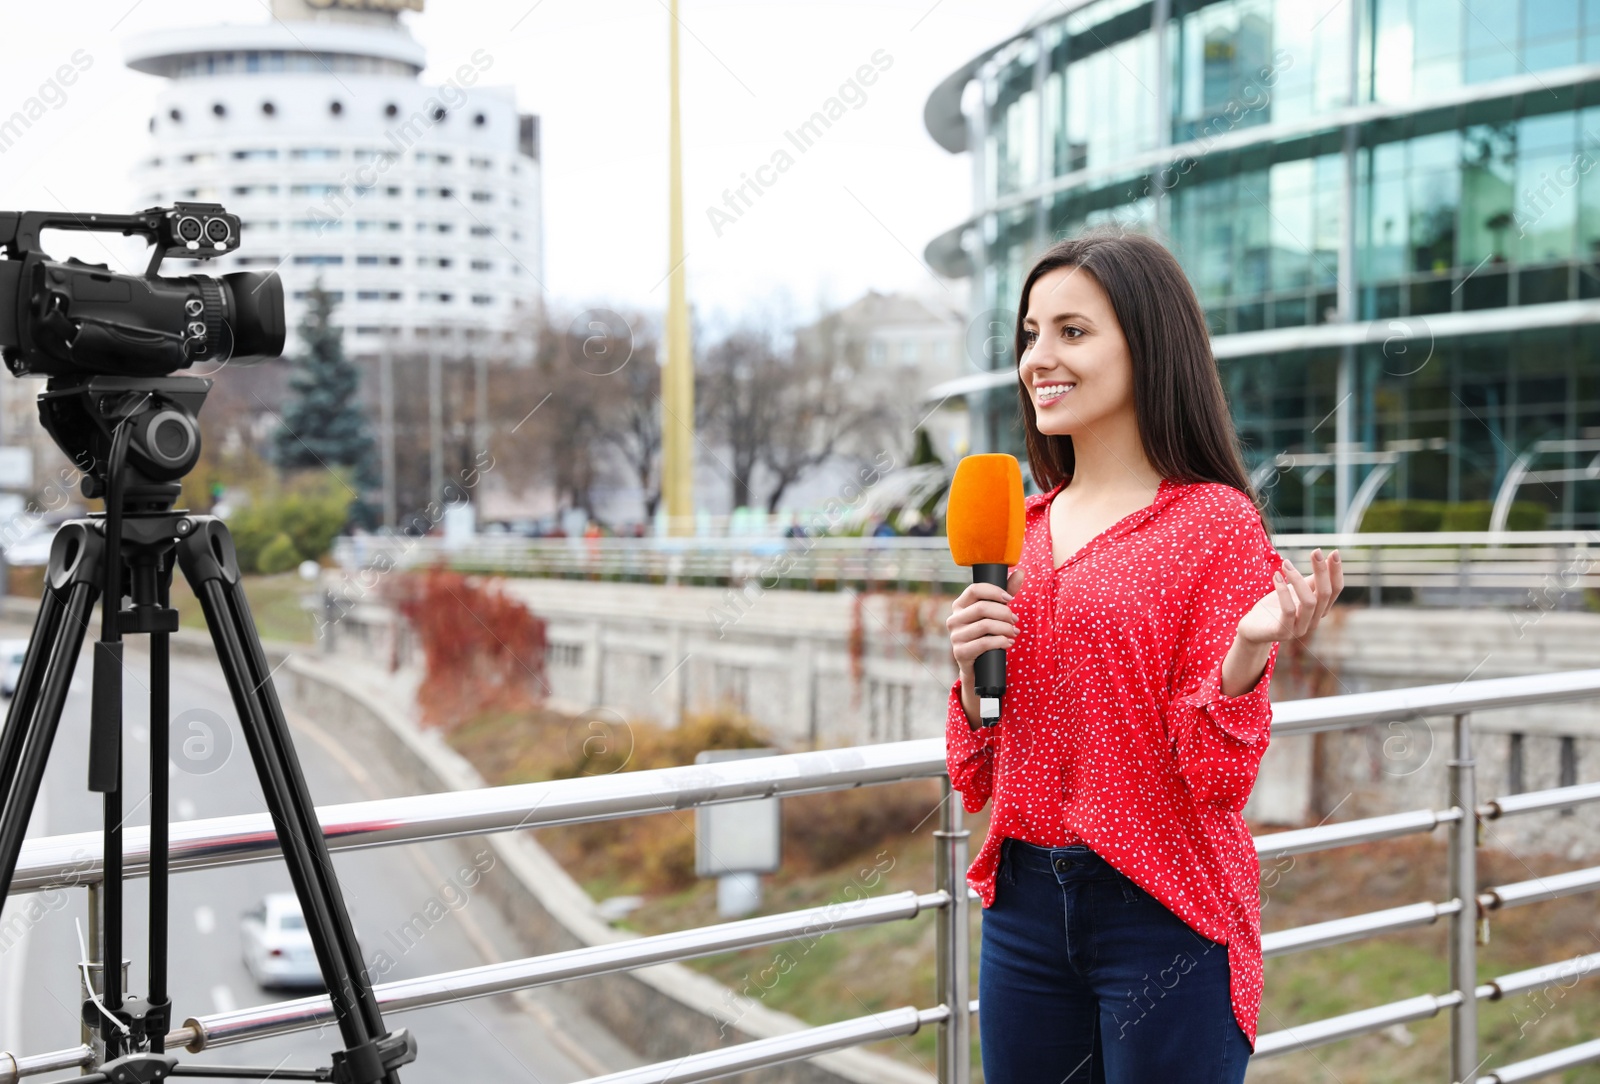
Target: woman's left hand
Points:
(1295, 605)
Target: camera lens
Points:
(254, 313)
(217, 230)
(189, 229)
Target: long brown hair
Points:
(1184, 423)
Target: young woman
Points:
(1121, 930)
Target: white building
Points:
(418, 206)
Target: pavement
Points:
(536, 1036)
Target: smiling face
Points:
(1075, 361)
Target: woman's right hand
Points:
(981, 619)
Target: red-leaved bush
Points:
(484, 650)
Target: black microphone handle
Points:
(989, 669)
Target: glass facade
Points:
(1463, 167)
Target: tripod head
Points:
(81, 415)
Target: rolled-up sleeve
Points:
(1219, 740)
(969, 754)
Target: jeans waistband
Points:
(1076, 862)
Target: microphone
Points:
(983, 519)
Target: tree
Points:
(630, 422)
(741, 383)
(323, 425)
(786, 410)
(822, 405)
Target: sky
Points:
(852, 213)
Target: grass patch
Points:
(274, 602)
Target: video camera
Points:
(108, 341)
(80, 319)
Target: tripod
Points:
(135, 437)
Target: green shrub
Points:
(1527, 516)
(276, 556)
(1467, 516)
(308, 513)
(1391, 516)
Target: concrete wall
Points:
(816, 672)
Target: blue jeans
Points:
(1084, 976)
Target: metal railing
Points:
(74, 861)
(1437, 568)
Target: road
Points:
(536, 1037)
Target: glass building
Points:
(1389, 210)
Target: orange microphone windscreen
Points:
(984, 514)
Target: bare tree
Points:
(738, 398)
(822, 405)
(786, 410)
(630, 413)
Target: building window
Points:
(377, 261)
(377, 295)
(319, 261)
(481, 163)
(336, 296)
(255, 190)
(482, 265)
(483, 197)
(314, 189)
(260, 261)
(483, 299)
(264, 154)
(314, 154)
(482, 231)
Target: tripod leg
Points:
(207, 558)
(160, 734)
(23, 697)
(70, 591)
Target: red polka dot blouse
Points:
(1115, 732)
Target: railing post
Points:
(954, 970)
(1464, 923)
(94, 942)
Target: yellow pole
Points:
(677, 379)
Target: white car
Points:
(11, 653)
(277, 945)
